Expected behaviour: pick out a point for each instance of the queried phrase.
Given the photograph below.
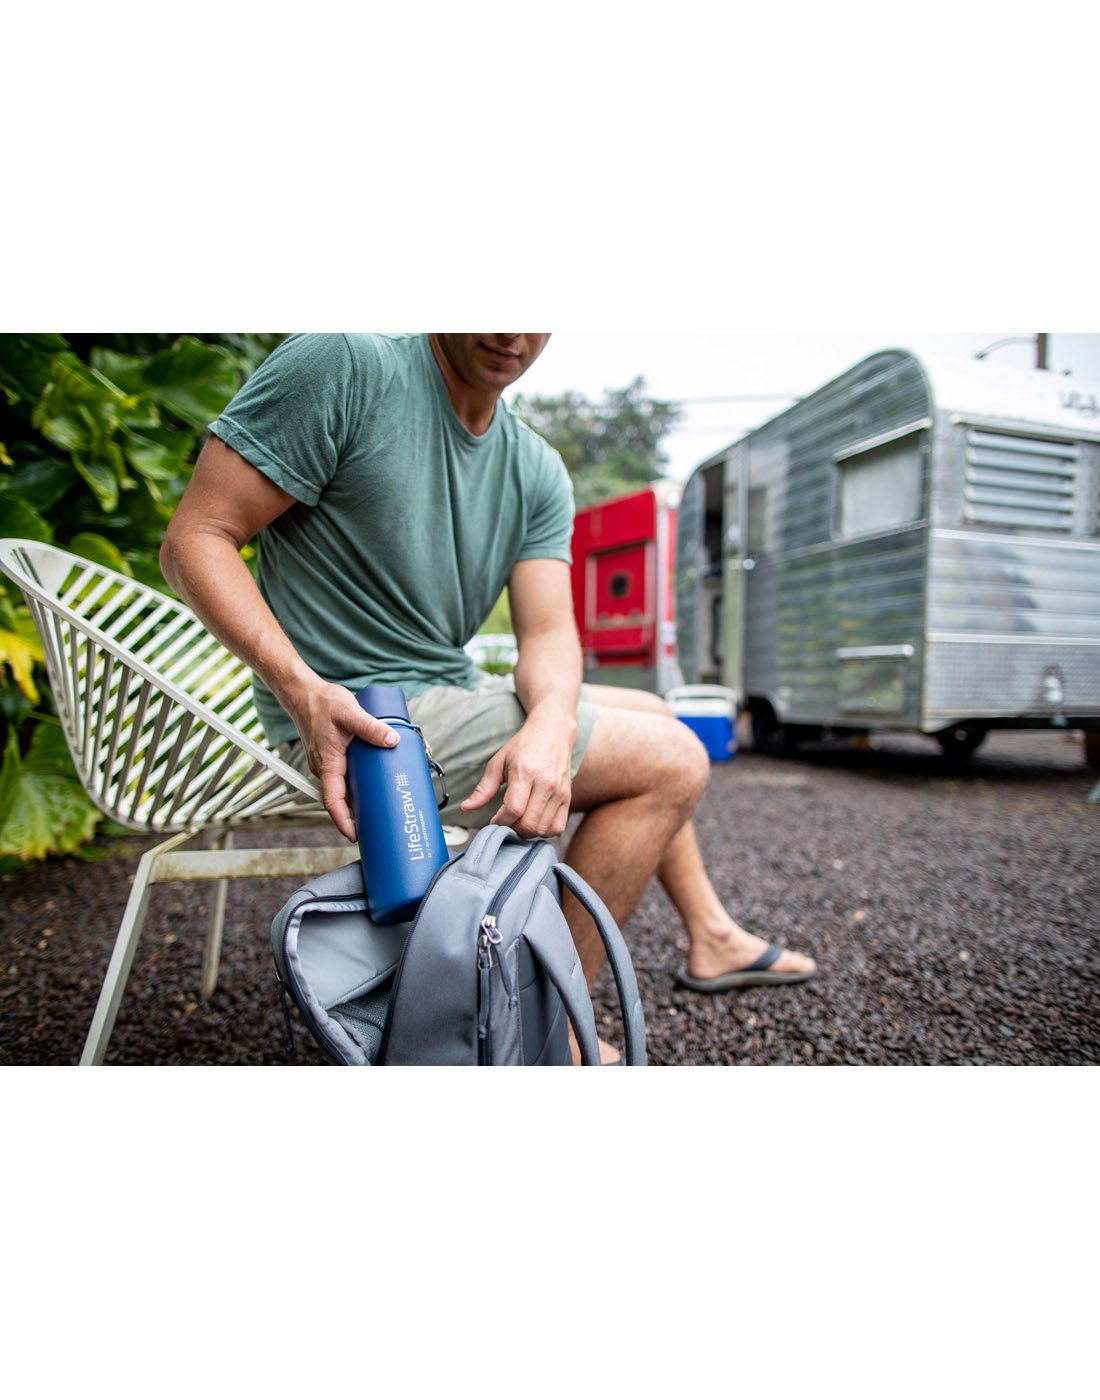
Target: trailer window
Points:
(881, 487)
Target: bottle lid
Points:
(384, 701)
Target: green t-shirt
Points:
(406, 526)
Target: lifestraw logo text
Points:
(414, 834)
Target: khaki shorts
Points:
(465, 728)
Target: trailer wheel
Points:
(769, 735)
(1092, 747)
(961, 740)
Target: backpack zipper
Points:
(511, 881)
(328, 1045)
(485, 994)
(488, 938)
(497, 903)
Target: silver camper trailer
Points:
(915, 546)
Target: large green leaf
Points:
(20, 521)
(14, 705)
(48, 754)
(192, 380)
(159, 454)
(25, 364)
(126, 371)
(42, 812)
(83, 411)
(76, 401)
(102, 480)
(20, 648)
(36, 478)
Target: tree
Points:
(608, 447)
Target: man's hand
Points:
(535, 765)
(328, 717)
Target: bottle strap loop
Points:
(408, 724)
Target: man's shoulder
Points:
(379, 349)
(532, 447)
(340, 353)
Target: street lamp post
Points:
(1039, 341)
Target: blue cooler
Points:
(708, 710)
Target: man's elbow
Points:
(166, 560)
(175, 549)
(171, 547)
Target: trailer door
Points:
(735, 565)
(689, 550)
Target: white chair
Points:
(160, 724)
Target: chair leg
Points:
(212, 952)
(103, 1022)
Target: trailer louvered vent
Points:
(1014, 480)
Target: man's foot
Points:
(718, 953)
(608, 1054)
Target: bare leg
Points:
(718, 943)
(639, 783)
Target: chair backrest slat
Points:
(162, 784)
(87, 693)
(169, 640)
(148, 623)
(114, 600)
(159, 717)
(210, 777)
(122, 707)
(129, 752)
(102, 712)
(163, 710)
(83, 574)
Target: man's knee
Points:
(681, 770)
(690, 757)
(642, 752)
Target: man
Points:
(394, 494)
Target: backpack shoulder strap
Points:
(626, 984)
(548, 937)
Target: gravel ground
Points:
(954, 915)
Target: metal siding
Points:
(808, 594)
(1003, 609)
(855, 594)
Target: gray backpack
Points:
(486, 974)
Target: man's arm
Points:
(536, 762)
(226, 502)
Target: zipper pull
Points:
(490, 937)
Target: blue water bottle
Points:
(393, 801)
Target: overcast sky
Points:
(693, 365)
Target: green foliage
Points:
(98, 434)
(500, 619)
(43, 808)
(608, 447)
